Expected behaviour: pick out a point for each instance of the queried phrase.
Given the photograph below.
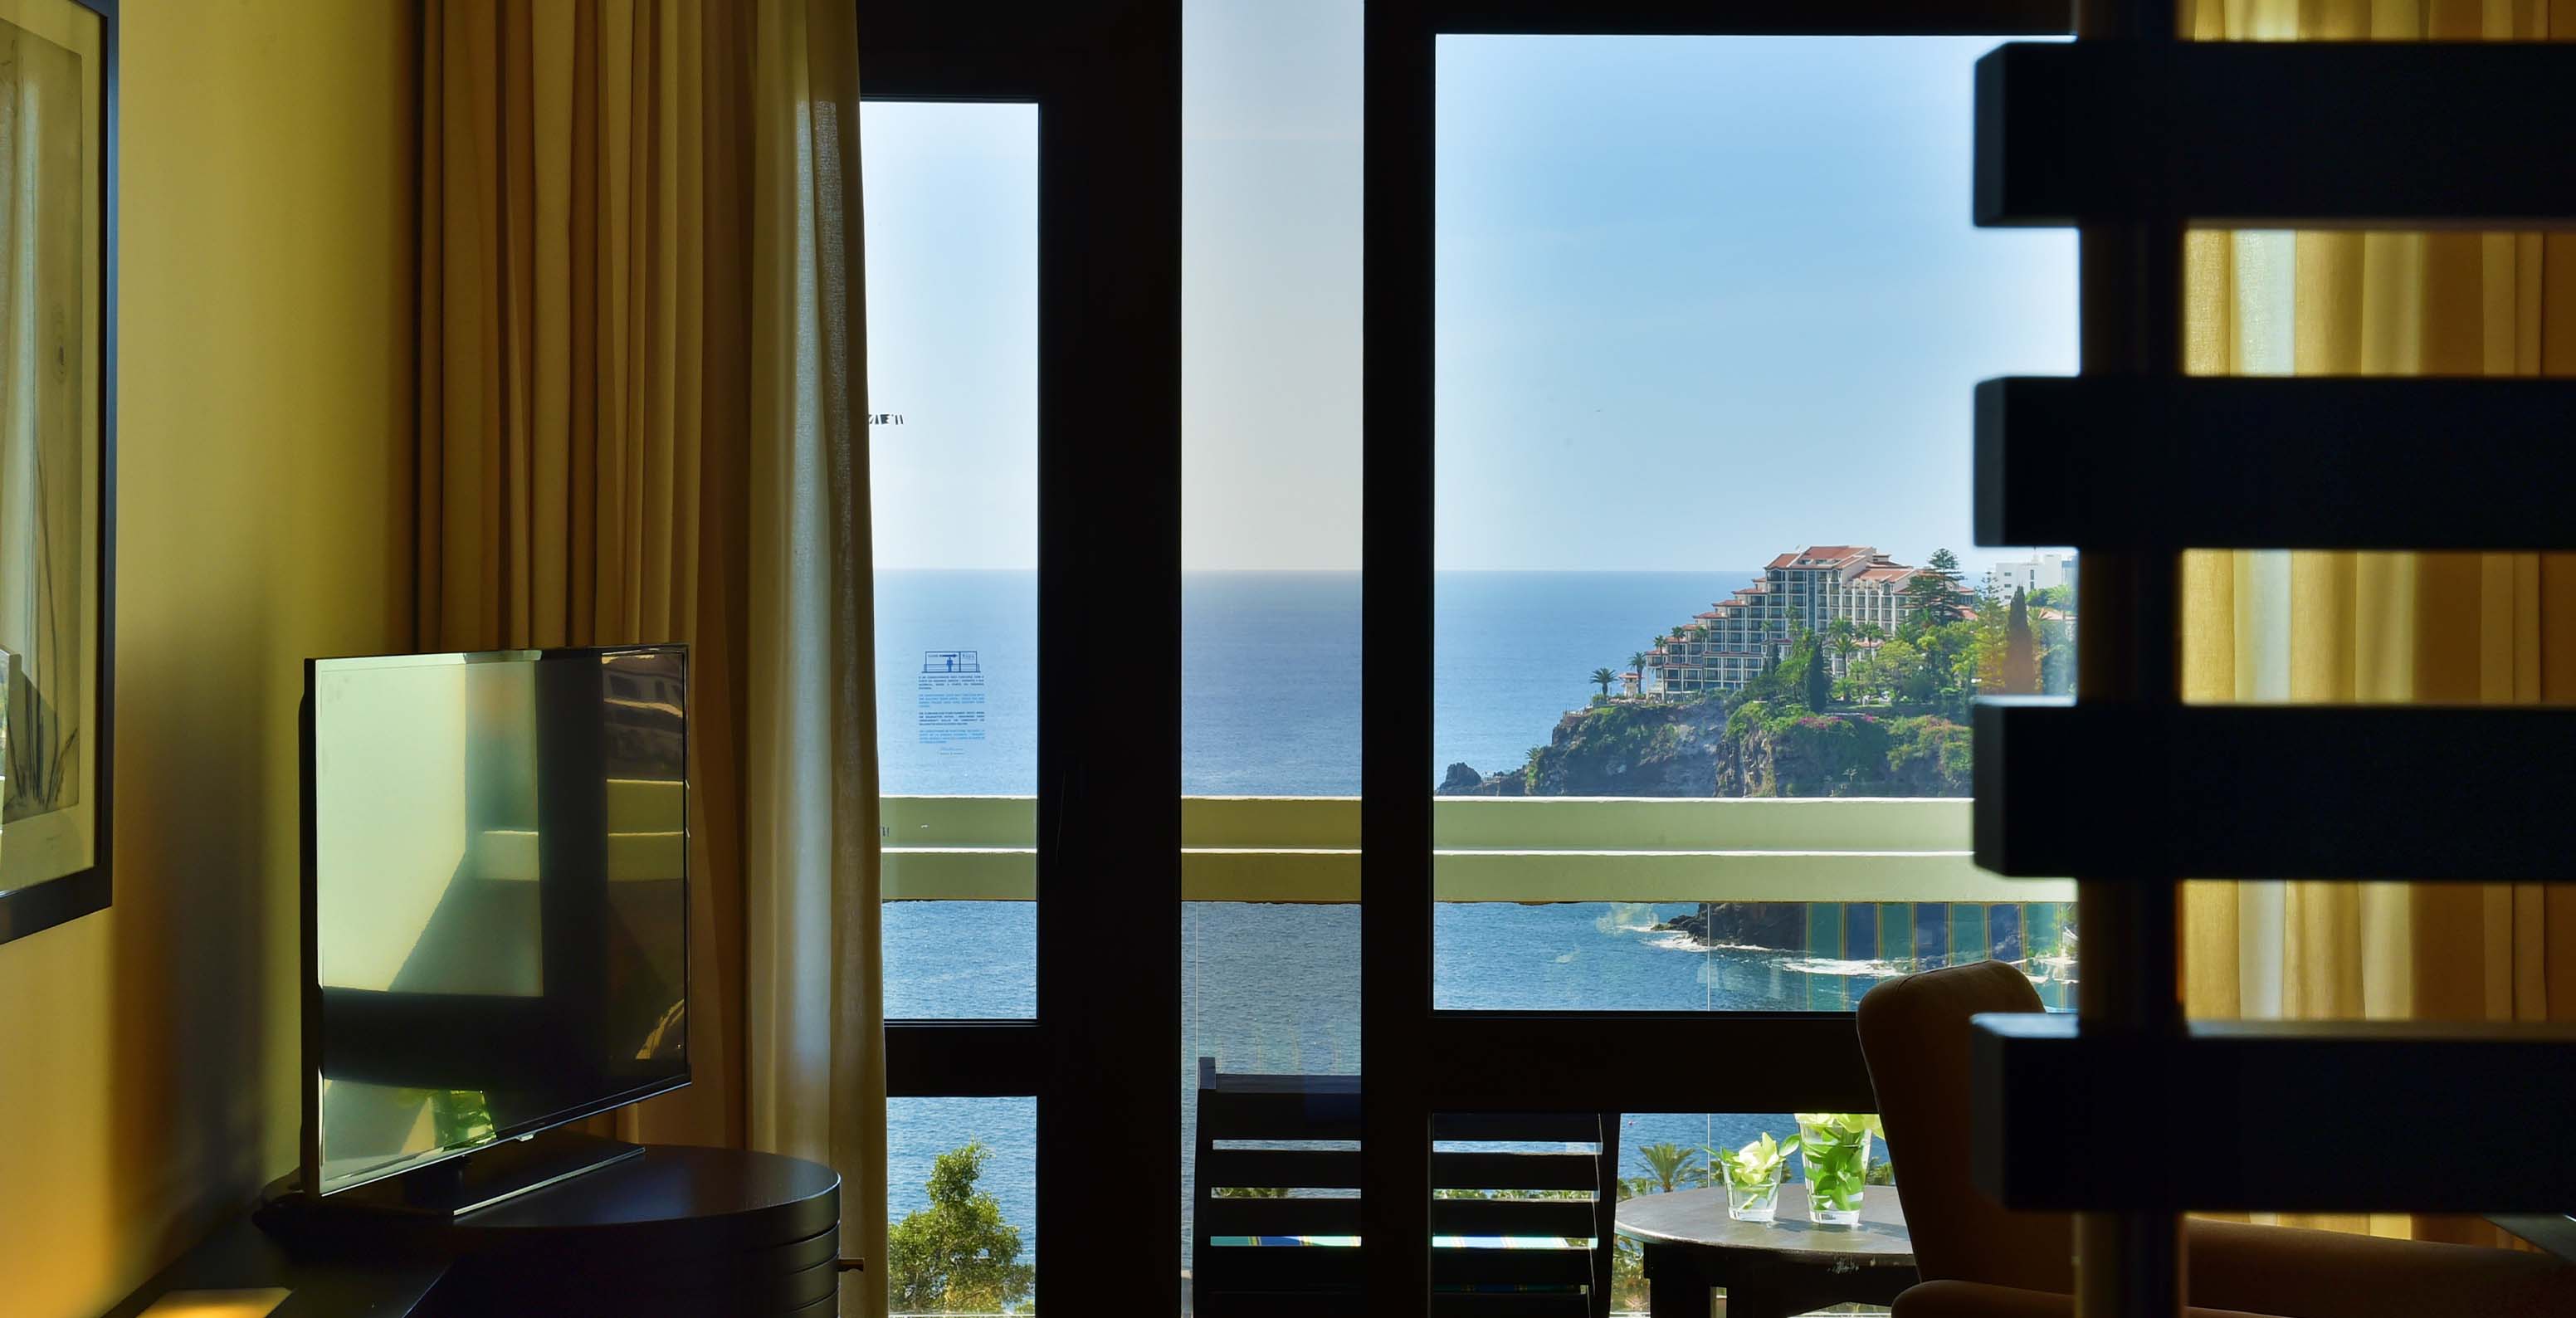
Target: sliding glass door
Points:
(1425, 542)
(1672, 318)
(1022, 230)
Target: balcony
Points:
(1868, 887)
(1496, 849)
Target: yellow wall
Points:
(147, 1054)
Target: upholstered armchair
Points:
(1979, 1261)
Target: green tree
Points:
(1637, 664)
(1670, 1167)
(1933, 593)
(1982, 667)
(1819, 682)
(956, 1254)
(1844, 637)
(1782, 679)
(1603, 677)
(1901, 673)
(2056, 655)
(2021, 650)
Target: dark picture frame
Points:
(40, 903)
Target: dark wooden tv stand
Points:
(675, 1231)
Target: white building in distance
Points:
(2036, 573)
(1802, 590)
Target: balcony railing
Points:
(1503, 849)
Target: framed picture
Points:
(57, 454)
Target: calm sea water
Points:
(1273, 667)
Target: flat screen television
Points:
(495, 899)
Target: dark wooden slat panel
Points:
(1553, 1127)
(1226, 1273)
(1511, 1267)
(2323, 792)
(2293, 1116)
(1307, 1269)
(1315, 1267)
(1263, 1082)
(1280, 1217)
(1288, 1107)
(1510, 1304)
(1572, 1061)
(1296, 1169)
(1280, 1115)
(1511, 1171)
(1273, 1304)
(2277, 134)
(1571, 1218)
(964, 1059)
(2129, 463)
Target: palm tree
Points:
(1843, 636)
(1671, 1167)
(1637, 663)
(1604, 677)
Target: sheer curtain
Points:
(2351, 627)
(818, 1025)
(640, 367)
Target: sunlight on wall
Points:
(147, 1053)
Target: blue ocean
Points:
(1272, 668)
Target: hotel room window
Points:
(1751, 259)
(952, 214)
(1271, 659)
(952, 467)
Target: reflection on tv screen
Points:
(500, 905)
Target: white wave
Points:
(1674, 940)
(1838, 967)
(1627, 918)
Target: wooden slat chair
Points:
(1257, 1257)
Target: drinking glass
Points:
(1836, 1151)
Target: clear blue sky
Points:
(1700, 300)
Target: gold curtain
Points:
(581, 235)
(818, 1030)
(640, 364)
(2350, 627)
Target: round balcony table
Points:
(1769, 1269)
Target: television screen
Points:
(497, 907)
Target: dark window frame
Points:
(1418, 1059)
(1098, 1055)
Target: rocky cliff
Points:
(1634, 748)
(1795, 753)
(1742, 924)
(1712, 748)
(1622, 748)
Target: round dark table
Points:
(667, 1232)
(1769, 1269)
